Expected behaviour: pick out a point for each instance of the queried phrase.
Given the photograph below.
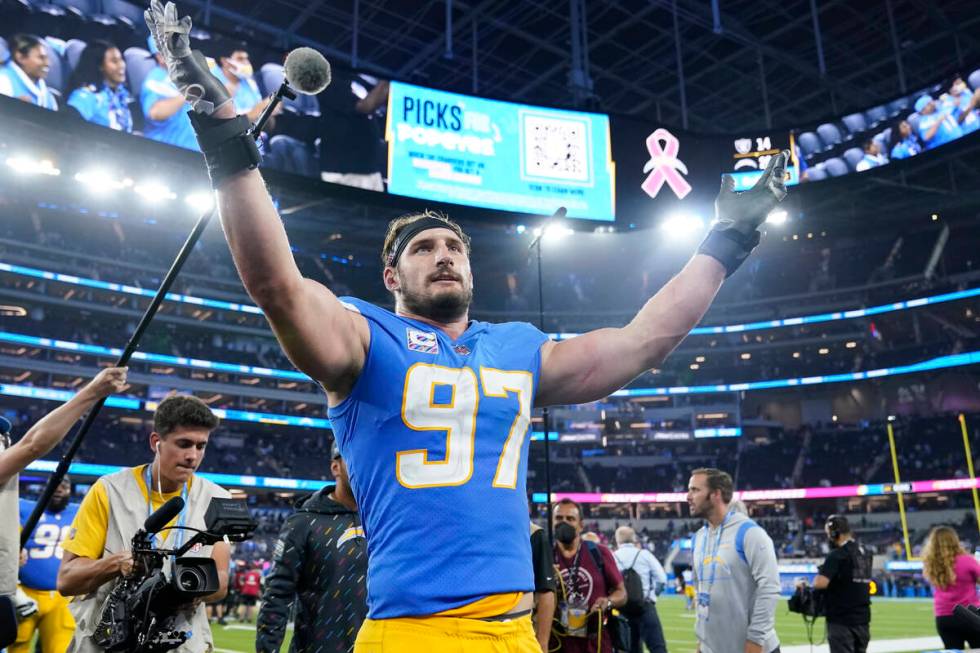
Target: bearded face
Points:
(432, 278)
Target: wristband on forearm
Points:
(227, 145)
(729, 247)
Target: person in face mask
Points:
(234, 69)
(590, 583)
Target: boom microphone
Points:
(307, 71)
(155, 522)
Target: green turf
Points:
(890, 620)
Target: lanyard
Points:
(179, 535)
(714, 555)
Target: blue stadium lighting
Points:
(942, 362)
(705, 330)
(822, 317)
(129, 290)
(180, 361)
(129, 403)
(724, 432)
(233, 480)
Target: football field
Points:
(896, 626)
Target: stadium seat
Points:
(810, 143)
(898, 106)
(139, 63)
(816, 173)
(853, 156)
(291, 155)
(835, 167)
(974, 79)
(4, 51)
(882, 139)
(829, 134)
(914, 121)
(876, 115)
(122, 10)
(73, 52)
(57, 77)
(855, 123)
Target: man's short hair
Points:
(396, 226)
(718, 480)
(838, 524)
(178, 411)
(625, 535)
(570, 502)
(226, 48)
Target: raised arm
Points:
(596, 364)
(318, 334)
(52, 428)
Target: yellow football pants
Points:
(52, 621)
(446, 635)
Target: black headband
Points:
(410, 232)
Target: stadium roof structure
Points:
(711, 65)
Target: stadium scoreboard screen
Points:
(499, 155)
(751, 154)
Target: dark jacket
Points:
(321, 558)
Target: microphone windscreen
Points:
(560, 213)
(307, 71)
(163, 515)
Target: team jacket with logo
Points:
(321, 560)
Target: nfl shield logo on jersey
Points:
(423, 341)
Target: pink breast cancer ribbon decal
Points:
(664, 166)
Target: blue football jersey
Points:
(44, 548)
(435, 438)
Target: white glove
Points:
(24, 605)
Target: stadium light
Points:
(682, 225)
(777, 217)
(200, 201)
(26, 165)
(520, 229)
(99, 181)
(154, 191)
(554, 232)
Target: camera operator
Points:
(845, 577)
(97, 549)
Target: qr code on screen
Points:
(555, 148)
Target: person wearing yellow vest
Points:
(96, 552)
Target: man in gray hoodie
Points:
(735, 572)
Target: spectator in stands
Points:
(164, 108)
(962, 104)
(645, 625)
(23, 76)
(954, 575)
(590, 584)
(903, 142)
(872, 157)
(234, 69)
(98, 87)
(936, 125)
